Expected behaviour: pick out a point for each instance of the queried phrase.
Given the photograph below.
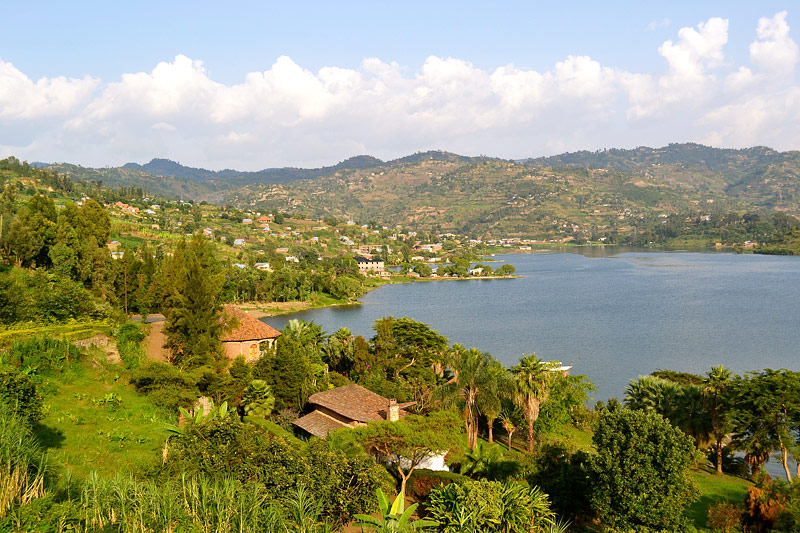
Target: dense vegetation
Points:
(681, 194)
(104, 439)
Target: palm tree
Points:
(692, 416)
(472, 380)
(498, 385)
(716, 386)
(532, 378)
(506, 419)
(651, 393)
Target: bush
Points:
(129, 344)
(563, 475)
(19, 393)
(489, 506)
(423, 481)
(250, 453)
(639, 476)
(42, 354)
(165, 385)
(724, 517)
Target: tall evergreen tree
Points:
(192, 285)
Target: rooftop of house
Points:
(319, 424)
(355, 402)
(248, 328)
(362, 259)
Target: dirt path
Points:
(155, 342)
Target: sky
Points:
(253, 85)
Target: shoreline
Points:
(261, 310)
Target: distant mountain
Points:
(437, 155)
(596, 193)
(166, 167)
(165, 186)
(442, 190)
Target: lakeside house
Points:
(348, 406)
(365, 265)
(248, 337)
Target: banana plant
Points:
(393, 519)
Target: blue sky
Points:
(252, 84)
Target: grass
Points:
(581, 439)
(69, 331)
(714, 489)
(94, 420)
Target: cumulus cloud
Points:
(289, 115)
(22, 99)
(688, 79)
(774, 52)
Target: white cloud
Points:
(22, 99)
(775, 52)
(289, 115)
(688, 80)
(656, 24)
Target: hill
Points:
(156, 185)
(228, 178)
(759, 176)
(588, 194)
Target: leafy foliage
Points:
(640, 472)
(476, 506)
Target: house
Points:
(238, 242)
(264, 219)
(262, 266)
(249, 337)
(369, 265)
(348, 406)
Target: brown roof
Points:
(249, 328)
(353, 402)
(319, 424)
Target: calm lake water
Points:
(614, 315)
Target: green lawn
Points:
(95, 420)
(714, 489)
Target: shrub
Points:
(563, 475)
(129, 343)
(423, 481)
(165, 385)
(246, 452)
(42, 354)
(724, 517)
(489, 506)
(639, 476)
(19, 393)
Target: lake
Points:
(614, 314)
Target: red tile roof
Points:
(248, 329)
(353, 402)
(319, 424)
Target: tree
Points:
(403, 343)
(499, 386)
(258, 399)
(193, 282)
(532, 378)
(716, 386)
(506, 270)
(640, 474)
(423, 270)
(409, 441)
(765, 411)
(654, 394)
(471, 381)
